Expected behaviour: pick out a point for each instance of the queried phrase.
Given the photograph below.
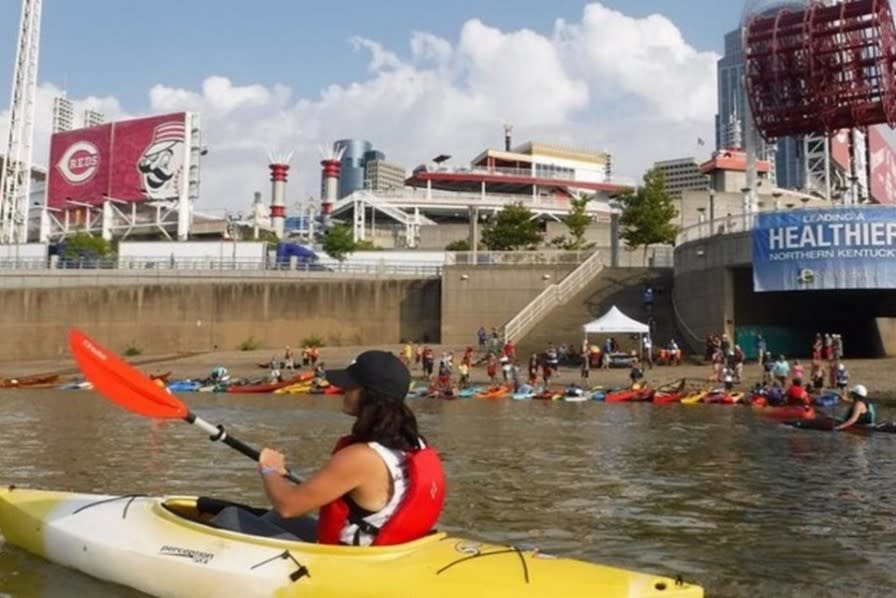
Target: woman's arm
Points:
(345, 471)
(856, 414)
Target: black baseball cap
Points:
(380, 371)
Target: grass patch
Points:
(250, 344)
(313, 341)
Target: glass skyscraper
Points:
(351, 175)
(732, 102)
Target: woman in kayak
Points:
(861, 412)
(382, 485)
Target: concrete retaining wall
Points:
(198, 317)
(474, 296)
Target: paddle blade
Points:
(121, 382)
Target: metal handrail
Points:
(552, 296)
(680, 320)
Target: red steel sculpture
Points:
(821, 69)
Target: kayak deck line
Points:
(168, 546)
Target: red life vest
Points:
(415, 516)
(797, 395)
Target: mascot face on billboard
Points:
(162, 163)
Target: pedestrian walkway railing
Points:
(552, 296)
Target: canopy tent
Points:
(616, 321)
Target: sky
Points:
(632, 77)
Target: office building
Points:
(351, 173)
(380, 175)
(787, 167)
(681, 174)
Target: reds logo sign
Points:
(79, 162)
(162, 162)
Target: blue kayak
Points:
(828, 399)
(184, 386)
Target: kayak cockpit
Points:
(224, 518)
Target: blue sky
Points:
(112, 47)
(293, 60)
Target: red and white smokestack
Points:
(279, 170)
(331, 166)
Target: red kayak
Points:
(629, 395)
(724, 398)
(262, 388)
(663, 398)
(786, 411)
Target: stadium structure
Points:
(543, 177)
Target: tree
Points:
(366, 245)
(339, 242)
(647, 214)
(513, 228)
(577, 222)
(86, 246)
(458, 245)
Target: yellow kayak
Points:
(164, 546)
(694, 398)
(294, 389)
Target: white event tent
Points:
(616, 321)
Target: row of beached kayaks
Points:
(799, 416)
(300, 383)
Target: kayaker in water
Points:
(383, 484)
(797, 395)
(861, 411)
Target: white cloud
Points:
(631, 86)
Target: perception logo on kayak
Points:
(197, 556)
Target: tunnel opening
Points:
(789, 321)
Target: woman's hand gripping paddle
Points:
(130, 388)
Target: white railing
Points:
(581, 276)
(515, 258)
(724, 225)
(370, 199)
(552, 296)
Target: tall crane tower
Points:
(15, 178)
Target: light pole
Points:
(615, 210)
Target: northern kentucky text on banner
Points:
(838, 248)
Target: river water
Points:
(744, 506)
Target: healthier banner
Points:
(845, 248)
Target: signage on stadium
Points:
(843, 248)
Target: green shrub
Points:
(313, 340)
(132, 350)
(250, 344)
(458, 245)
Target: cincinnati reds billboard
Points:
(132, 160)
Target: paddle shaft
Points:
(217, 434)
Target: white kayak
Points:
(166, 547)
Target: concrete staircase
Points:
(622, 287)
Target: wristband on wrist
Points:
(265, 470)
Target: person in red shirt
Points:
(509, 350)
(796, 394)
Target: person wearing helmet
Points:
(861, 412)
